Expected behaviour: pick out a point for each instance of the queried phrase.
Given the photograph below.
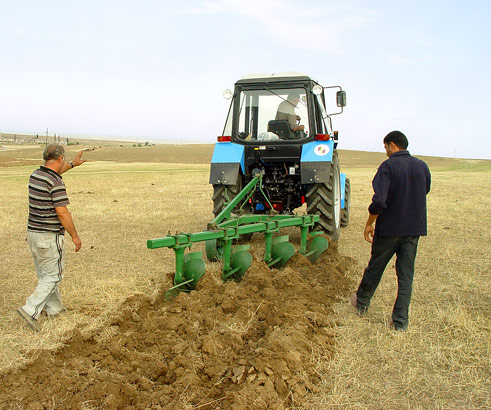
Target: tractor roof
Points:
(275, 77)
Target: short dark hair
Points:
(398, 138)
(53, 151)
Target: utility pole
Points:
(46, 136)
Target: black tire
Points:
(347, 203)
(324, 199)
(220, 194)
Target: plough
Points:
(226, 229)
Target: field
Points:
(279, 339)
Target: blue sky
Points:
(155, 70)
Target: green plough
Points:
(226, 229)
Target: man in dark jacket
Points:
(399, 209)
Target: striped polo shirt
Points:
(46, 191)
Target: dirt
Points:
(254, 344)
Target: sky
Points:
(155, 70)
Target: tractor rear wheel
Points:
(347, 202)
(223, 194)
(324, 199)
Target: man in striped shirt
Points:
(48, 220)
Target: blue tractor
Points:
(278, 127)
(277, 152)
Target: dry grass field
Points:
(123, 196)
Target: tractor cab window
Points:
(323, 119)
(273, 115)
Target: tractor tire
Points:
(347, 203)
(324, 199)
(220, 194)
(224, 193)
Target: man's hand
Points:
(77, 242)
(78, 159)
(369, 229)
(76, 162)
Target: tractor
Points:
(278, 126)
(276, 153)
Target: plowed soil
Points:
(247, 345)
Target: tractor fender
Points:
(225, 162)
(315, 161)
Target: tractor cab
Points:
(278, 109)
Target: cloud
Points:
(300, 26)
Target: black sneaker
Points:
(32, 323)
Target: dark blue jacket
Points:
(400, 187)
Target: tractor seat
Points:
(282, 129)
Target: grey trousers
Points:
(383, 248)
(47, 250)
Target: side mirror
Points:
(341, 98)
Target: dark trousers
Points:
(383, 248)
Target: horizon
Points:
(190, 142)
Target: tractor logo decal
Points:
(321, 150)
